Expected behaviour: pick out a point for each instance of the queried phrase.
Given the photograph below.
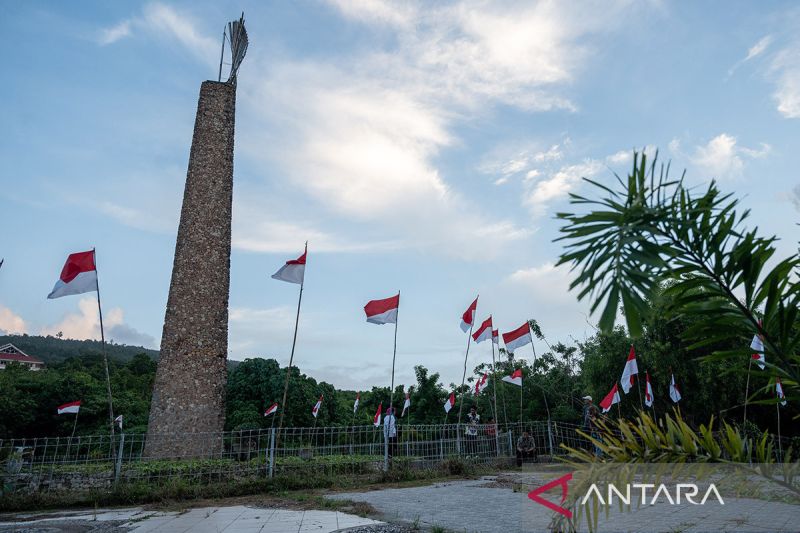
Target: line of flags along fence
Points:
(79, 275)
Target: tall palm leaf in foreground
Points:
(653, 229)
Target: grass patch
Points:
(183, 483)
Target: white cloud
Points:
(511, 161)
(253, 232)
(558, 185)
(754, 51)
(785, 67)
(85, 324)
(377, 11)
(361, 133)
(548, 286)
(723, 158)
(758, 48)
(149, 217)
(115, 33)
(623, 156)
(164, 21)
(364, 152)
(11, 323)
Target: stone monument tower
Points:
(187, 412)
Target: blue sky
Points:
(417, 148)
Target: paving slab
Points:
(231, 519)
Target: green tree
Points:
(654, 229)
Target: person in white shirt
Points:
(390, 430)
(473, 420)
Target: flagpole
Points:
(75, 424)
(103, 343)
(353, 429)
(464, 376)
(394, 353)
(639, 388)
(503, 393)
(653, 407)
(291, 356)
(546, 406)
(747, 392)
(494, 375)
(780, 446)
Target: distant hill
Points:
(53, 350)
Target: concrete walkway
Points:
(489, 506)
(234, 519)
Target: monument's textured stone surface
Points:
(188, 406)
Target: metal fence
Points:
(101, 462)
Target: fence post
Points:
(271, 453)
(118, 467)
(510, 443)
(458, 439)
(550, 438)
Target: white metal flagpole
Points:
(291, 356)
(780, 445)
(394, 354)
(466, 355)
(390, 411)
(103, 343)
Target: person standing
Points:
(526, 448)
(473, 421)
(390, 431)
(590, 421)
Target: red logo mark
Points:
(562, 481)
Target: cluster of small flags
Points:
(629, 373)
(757, 345)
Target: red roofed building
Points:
(10, 353)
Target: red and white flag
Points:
(450, 402)
(484, 331)
(496, 336)
(315, 410)
(468, 318)
(67, 408)
(674, 391)
(383, 311)
(376, 420)
(272, 409)
(779, 390)
(79, 275)
(294, 271)
(648, 391)
(406, 404)
(610, 399)
(631, 369)
(481, 384)
(515, 378)
(517, 338)
(355, 404)
(758, 346)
